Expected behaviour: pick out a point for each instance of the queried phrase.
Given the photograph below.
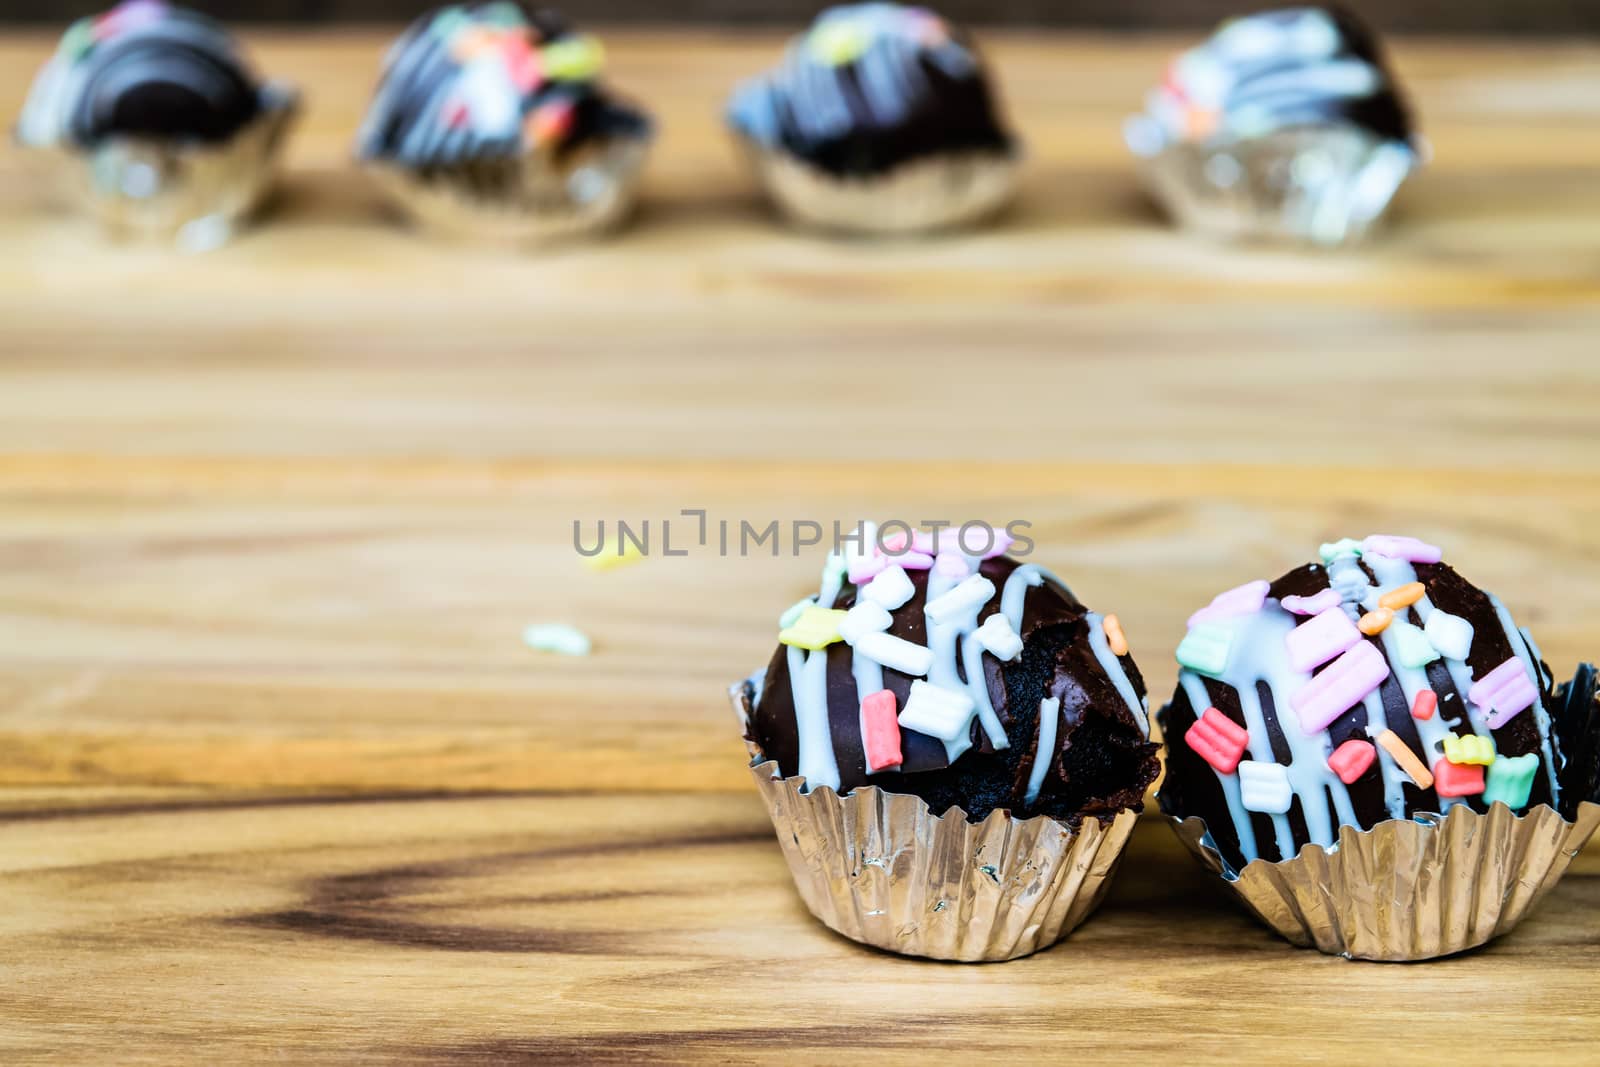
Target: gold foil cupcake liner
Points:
(880, 869)
(1324, 185)
(193, 195)
(939, 193)
(1408, 889)
(531, 199)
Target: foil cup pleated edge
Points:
(1407, 889)
(1327, 186)
(194, 195)
(941, 192)
(523, 200)
(881, 869)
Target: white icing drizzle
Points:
(808, 682)
(1045, 752)
(1015, 592)
(943, 638)
(1113, 667)
(1541, 717)
(1195, 689)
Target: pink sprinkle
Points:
(1406, 548)
(1311, 605)
(880, 731)
(1503, 693)
(865, 568)
(1313, 643)
(951, 565)
(1351, 760)
(894, 543)
(1245, 600)
(1342, 685)
(914, 561)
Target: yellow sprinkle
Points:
(1408, 761)
(1469, 749)
(840, 42)
(1404, 597)
(1114, 635)
(572, 59)
(1375, 622)
(816, 628)
(613, 556)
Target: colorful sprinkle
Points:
(1218, 740)
(880, 731)
(998, 638)
(951, 565)
(1114, 635)
(864, 618)
(1205, 649)
(1407, 760)
(1375, 622)
(891, 588)
(863, 569)
(1426, 703)
(1351, 759)
(1342, 685)
(1243, 600)
(816, 628)
(1411, 646)
(1403, 597)
(974, 592)
(839, 42)
(1313, 643)
(1311, 605)
(1511, 780)
(573, 59)
(1348, 546)
(1450, 634)
(550, 123)
(557, 637)
(1457, 780)
(937, 712)
(618, 552)
(1406, 548)
(1503, 693)
(1264, 787)
(896, 653)
(1467, 749)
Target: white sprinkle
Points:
(895, 653)
(863, 619)
(974, 592)
(1450, 634)
(891, 588)
(557, 637)
(997, 637)
(938, 712)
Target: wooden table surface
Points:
(279, 780)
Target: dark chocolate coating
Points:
(420, 65)
(1192, 788)
(944, 112)
(176, 77)
(1103, 761)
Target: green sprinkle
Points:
(1205, 649)
(834, 569)
(78, 39)
(1334, 550)
(1511, 780)
(1411, 646)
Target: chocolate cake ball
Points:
(869, 87)
(142, 70)
(486, 82)
(971, 681)
(1377, 684)
(879, 119)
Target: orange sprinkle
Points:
(1114, 635)
(1375, 622)
(1404, 597)
(1406, 758)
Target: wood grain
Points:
(278, 779)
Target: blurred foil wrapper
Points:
(938, 193)
(529, 199)
(1327, 185)
(1408, 889)
(880, 869)
(192, 195)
